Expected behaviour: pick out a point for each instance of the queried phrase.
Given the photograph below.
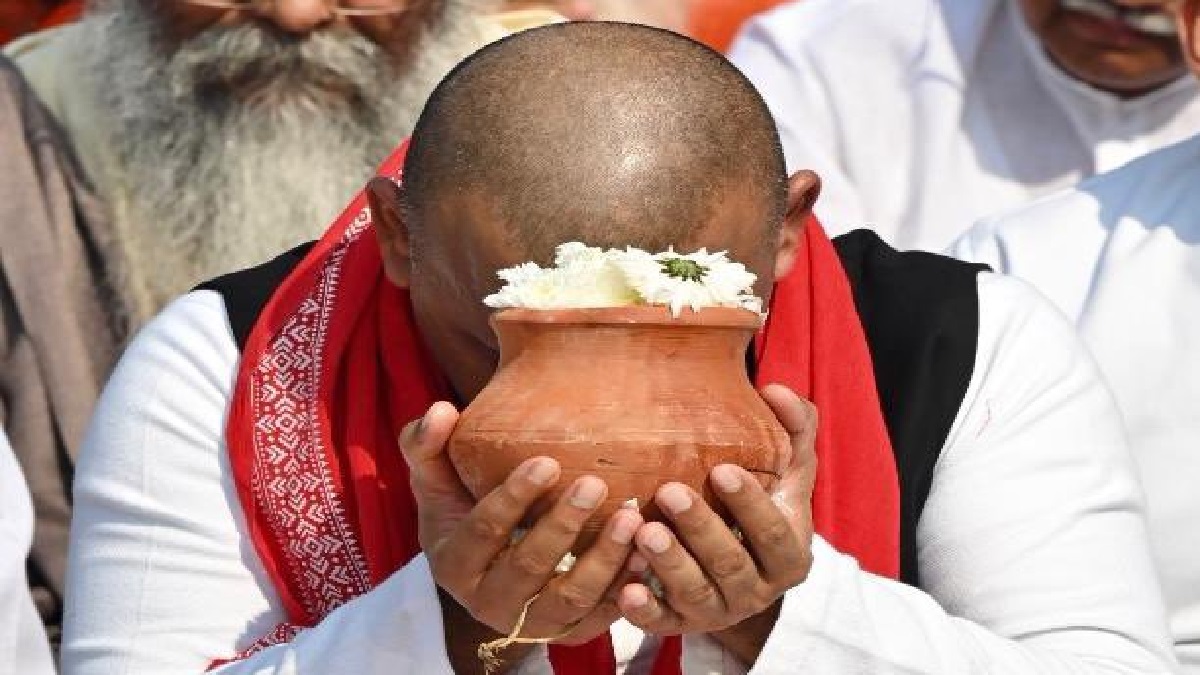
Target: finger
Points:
(606, 611)
(797, 415)
(442, 500)
(778, 542)
(639, 606)
(687, 589)
(596, 623)
(528, 566)
(576, 593)
(799, 418)
(720, 554)
(423, 442)
(487, 530)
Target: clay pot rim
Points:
(651, 315)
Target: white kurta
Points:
(1032, 547)
(23, 646)
(1121, 256)
(922, 116)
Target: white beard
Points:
(219, 176)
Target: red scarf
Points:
(324, 486)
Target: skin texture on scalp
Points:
(607, 133)
(620, 135)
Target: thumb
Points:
(423, 443)
(799, 418)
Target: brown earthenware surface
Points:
(628, 394)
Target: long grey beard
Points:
(243, 142)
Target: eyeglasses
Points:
(340, 7)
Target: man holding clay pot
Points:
(954, 496)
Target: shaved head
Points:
(609, 133)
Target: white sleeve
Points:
(23, 646)
(771, 58)
(1032, 546)
(980, 244)
(162, 577)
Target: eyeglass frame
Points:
(337, 9)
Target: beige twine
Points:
(489, 652)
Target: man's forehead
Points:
(466, 234)
(476, 240)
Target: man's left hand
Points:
(713, 582)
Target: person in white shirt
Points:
(240, 502)
(24, 649)
(1119, 254)
(922, 116)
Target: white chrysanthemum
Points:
(585, 276)
(694, 280)
(582, 277)
(574, 253)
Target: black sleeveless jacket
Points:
(920, 313)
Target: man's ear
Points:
(802, 191)
(387, 210)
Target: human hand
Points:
(473, 558)
(712, 581)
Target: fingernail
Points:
(727, 478)
(419, 430)
(638, 563)
(656, 539)
(624, 528)
(540, 470)
(675, 498)
(637, 598)
(587, 493)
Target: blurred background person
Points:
(60, 320)
(304, 96)
(669, 14)
(1119, 256)
(23, 646)
(716, 22)
(215, 133)
(713, 22)
(18, 17)
(923, 115)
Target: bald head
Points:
(608, 133)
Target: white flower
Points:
(523, 273)
(574, 253)
(586, 276)
(694, 280)
(582, 277)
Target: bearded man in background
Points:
(922, 116)
(215, 132)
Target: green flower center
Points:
(682, 268)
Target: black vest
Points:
(920, 312)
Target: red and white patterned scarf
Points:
(335, 367)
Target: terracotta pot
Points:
(628, 394)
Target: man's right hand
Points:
(470, 550)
